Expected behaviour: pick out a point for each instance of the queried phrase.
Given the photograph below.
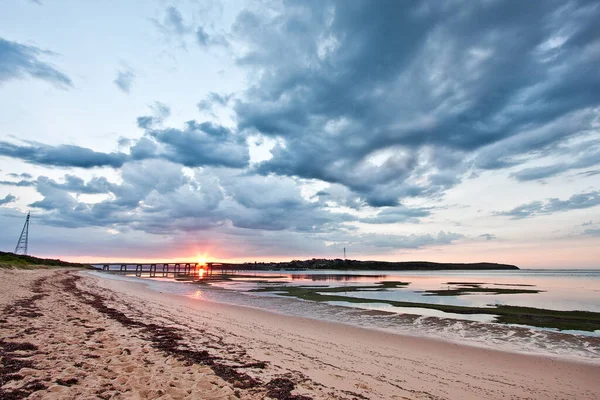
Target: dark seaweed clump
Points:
(171, 341)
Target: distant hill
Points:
(429, 266)
(11, 260)
(384, 265)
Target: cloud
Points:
(488, 236)
(198, 144)
(76, 184)
(446, 84)
(173, 26)
(214, 99)
(173, 22)
(592, 232)
(201, 144)
(398, 214)
(205, 39)
(586, 154)
(377, 242)
(21, 183)
(160, 111)
(18, 61)
(9, 198)
(359, 110)
(553, 205)
(124, 80)
(589, 173)
(536, 173)
(61, 156)
(23, 175)
(156, 197)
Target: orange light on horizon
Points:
(202, 261)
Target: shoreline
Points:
(266, 354)
(525, 333)
(267, 314)
(445, 351)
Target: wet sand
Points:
(68, 335)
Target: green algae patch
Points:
(306, 290)
(477, 290)
(561, 320)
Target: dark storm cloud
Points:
(421, 78)
(62, 155)
(124, 79)
(18, 61)
(9, 198)
(535, 208)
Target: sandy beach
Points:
(66, 334)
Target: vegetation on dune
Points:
(11, 260)
(562, 320)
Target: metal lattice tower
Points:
(24, 238)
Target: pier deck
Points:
(175, 270)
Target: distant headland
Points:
(382, 265)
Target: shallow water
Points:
(562, 290)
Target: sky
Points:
(455, 131)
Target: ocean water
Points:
(559, 290)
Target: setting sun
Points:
(202, 261)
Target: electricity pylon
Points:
(24, 238)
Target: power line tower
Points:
(24, 238)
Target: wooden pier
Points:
(175, 270)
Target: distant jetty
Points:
(382, 265)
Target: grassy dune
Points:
(11, 260)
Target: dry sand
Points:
(64, 335)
